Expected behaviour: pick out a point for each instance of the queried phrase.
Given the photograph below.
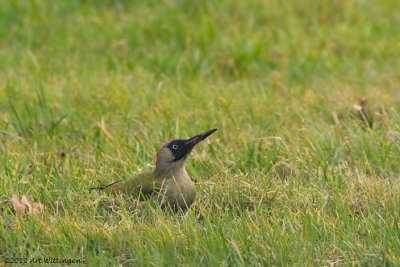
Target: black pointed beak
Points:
(191, 142)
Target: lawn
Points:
(295, 174)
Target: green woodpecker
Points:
(169, 179)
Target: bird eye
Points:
(175, 146)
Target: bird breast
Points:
(180, 191)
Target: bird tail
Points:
(102, 187)
(96, 188)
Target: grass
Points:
(89, 90)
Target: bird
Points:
(168, 180)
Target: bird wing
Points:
(145, 183)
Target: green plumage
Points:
(145, 183)
(169, 179)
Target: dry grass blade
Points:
(336, 120)
(360, 108)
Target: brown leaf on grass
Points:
(20, 206)
(37, 208)
(25, 202)
(360, 108)
(362, 102)
(357, 107)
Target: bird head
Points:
(174, 153)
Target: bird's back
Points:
(144, 183)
